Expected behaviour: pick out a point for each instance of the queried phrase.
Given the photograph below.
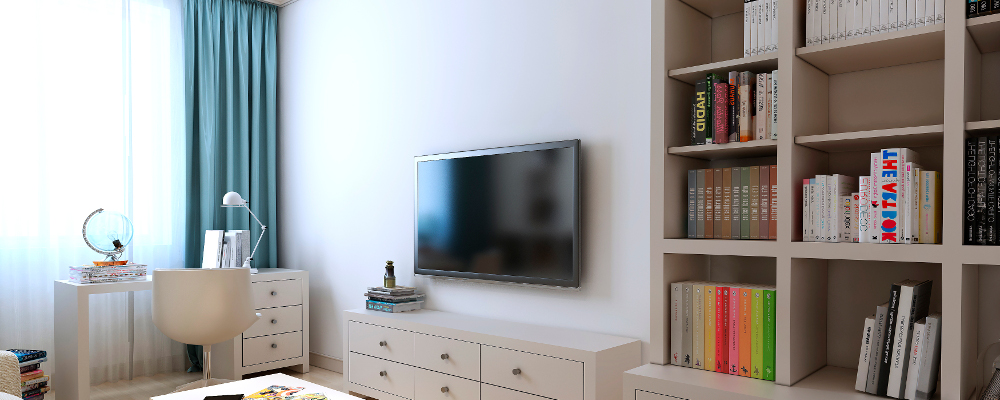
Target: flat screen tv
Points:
(506, 214)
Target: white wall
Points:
(364, 86)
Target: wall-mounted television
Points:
(507, 214)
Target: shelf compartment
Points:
(759, 63)
(868, 251)
(985, 32)
(753, 148)
(917, 136)
(878, 51)
(983, 127)
(720, 247)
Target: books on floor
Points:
(899, 202)
(395, 299)
(34, 382)
(739, 107)
(830, 21)
(724, 327)
(900, 345)
(733, 203)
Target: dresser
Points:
(423, 355)
(280, 338)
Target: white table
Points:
(249, 386)
(72, 325)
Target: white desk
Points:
(249, 386)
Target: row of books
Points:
(733, 203)
(979, 223)
(742, 109)
(832, 20)
(723, 327)
(981, 8)
(34, 382)
(760, 27)
(900, 202)
(901, 345)
(394, 299)
(112, 273)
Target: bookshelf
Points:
(926, 88)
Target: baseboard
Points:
(326, 362)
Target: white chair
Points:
(203, 307)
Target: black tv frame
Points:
(573, 282)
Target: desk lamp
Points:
(233, 199)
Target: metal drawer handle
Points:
(445, 356)
(516, 371)
(274, 345)
(274, 321)
(274, 293)
(382, 373)
(444, 389)
(383, 343)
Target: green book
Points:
(745, 203)
(769, 333)
(757, 334)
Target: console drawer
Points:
(449, 356)
(536, 374)
(490, 392)
(382, 375)
(381, 342)
(277, 293)
(264, 349)
(276, 320)
(431, 385)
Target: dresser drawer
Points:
(381, 342)
(431, 385)
(276, 320)
(382, 375)
(490, 392)
(264, 349)
(277, 293)
(450, 356)
(532, 373)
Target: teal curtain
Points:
(230, 71)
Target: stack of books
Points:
(112, 273)
(979, 222)
(760, 27)
(901, 345)
(742, 109)
(723, 327)
(733, 203)
(981, 8)
(394, 300)
(900, 202)
(828, 21)
(34, 382)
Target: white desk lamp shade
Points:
(202, 306)
(233, 199)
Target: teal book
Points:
(769, 333)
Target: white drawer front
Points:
(431, 385)
(449, 356)
(490, 392)
(381, 342)
(264, 349)
(545, 376)
(276, 320)
(277, 293)
(640, 395)
(382, 375)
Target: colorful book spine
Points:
(24, 355)
(702, 117)
(694, 120)
(875, 192)
(720, 111)
(760, 111)
(757, 330)
(722, 329)
(710, 325)
(864, 208)
(855, 216)
(698, 331)
(806, 220)
(846, 218)
(889, 202)
(770, 331)
(734, 330)
(746, 334)
(734, 106)
(772, 230)
(687, 347)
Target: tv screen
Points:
(507, 214)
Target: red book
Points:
(721, 329)
(721, 112)
(734, 332)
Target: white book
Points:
(892, 16)
(841, 187)
(876, 203)
(914, 300)
(821, 195)
(761, 28)
(919, 12)
(866, 17)
(831, 208)
(806, 220)
(929, 18)
(930, 207)
(773, 77)
(754, 33)
(890, 181)
(863, 360)
(845, 215)
(842, 19)
(901, 14)
(907, 157)
(774, 25)
(825, 22)
(938, 11)
(809, 23)
(928, 376)
(832, 16)
(881, 311)
(913, 202)
(849, 19)
(212, 257)
(747, 23)
(766, 25)
(911, 14)
(760, 98)
(858, 16)
(676, 322)
(767, 106)
(883, 16)
(818, 16)
(864, 208)
(916, 348)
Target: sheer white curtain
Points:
(91, 116)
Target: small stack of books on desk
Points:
(394, 300)
(34, 382)
(111, 273)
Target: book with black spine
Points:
(874, 369)
(692, 219)
(694, 120)
(700, 191)
(737, 206)
(885, 359)
(971, 9)
(981, 190)
(734, 106)
(701, 112)
(969, 210)
(991, 190)
(914, 304)
(985, 7)
(995, 5)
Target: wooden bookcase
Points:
(926, 88)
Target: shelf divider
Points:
(878, 51)
(915, 136)
(759, 63)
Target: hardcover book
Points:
(734, 232)
(809, 23)
(734, 108)
(885, 359)
(745, 175)
(866, 346)
(930, 207)
(846, 212)
(912, 227)
(773, 111)
(709, 203)
(701, 204)
(764, 202)
(701, 112)
(698, 326)
(687, 348)
(991, 191)
(745, 328)
(734, 330)
(694, 120)
(760, 111)
(772, 230)
(754, 230)
(841, 19)
(914, 303)
(969, 222)
(813, 211)
(891, 221)
(822, 229)
(767, 106)
(864, 207)
(676, 323)
(757, 330)
(878, 345)
(855, 216)
(747, 82)
(711, 136)
(724, 230)
(874, 195)
(721, 112)
(692, 219)
(709, 309)
(717, 205)
(722, 329)
(770, 330)
(916, 346)
(928, 376)
(981, 190)
(747, 24)
(761, 28)
(805, 211)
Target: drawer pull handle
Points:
(274, 293)
(274, 345)
(274, 321)
(382, 373)
(444, 389)
(516, 371)
(383, 343)
(445, 356)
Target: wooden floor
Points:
(144, 387)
